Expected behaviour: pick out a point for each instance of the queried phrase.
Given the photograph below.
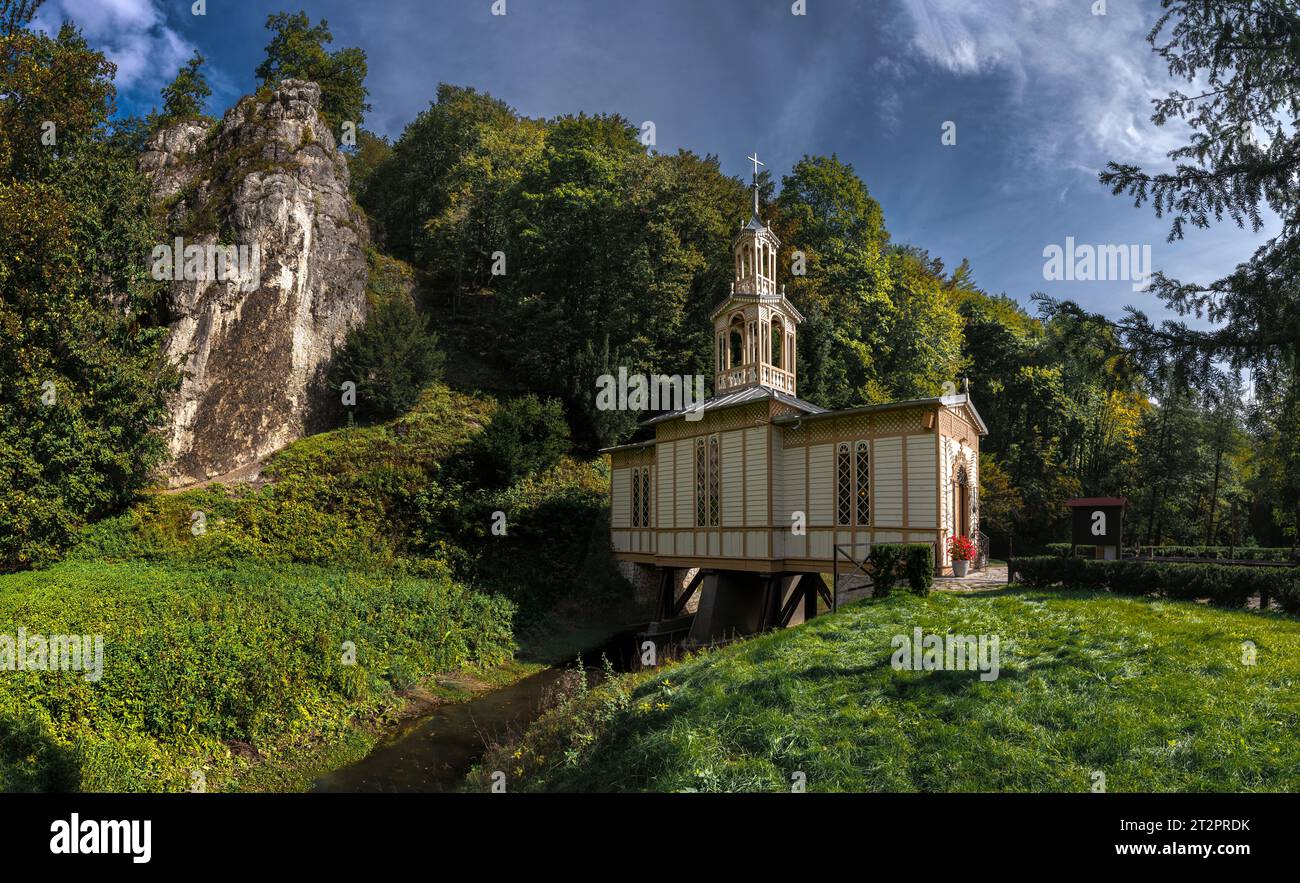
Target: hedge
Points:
(890, 562)
(1257, 553)
(1224, 584)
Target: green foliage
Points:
(1224, 585)
(1255, 553)
(183, 97)
(84, 380)
(388, 279)
(199, 660)
(1238, 162)
(891, 562)
(391, 359)
(880, 325)
(886, 565)
(526, 435)
(371, 153)
(920, 567)
(297, 52)
(398, 497)
(1153, 693)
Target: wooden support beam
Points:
(773, 594)
(665, 594)
(816, 588)
(680, 604)
(788, 610)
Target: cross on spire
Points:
(754, 159)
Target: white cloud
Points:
(133, 34)
(1079, 85)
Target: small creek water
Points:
(435, 753)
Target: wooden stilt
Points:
(680, 604)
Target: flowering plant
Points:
(961, 548)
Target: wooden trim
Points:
(771, 487)
(902, 440)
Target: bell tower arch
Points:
(755, 328)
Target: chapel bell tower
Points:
(754, 328)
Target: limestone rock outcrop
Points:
(268, 274)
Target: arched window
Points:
(961, 503)
(636, 497)
(713, 481)
(778, 338)
(645, 496)
(864, 484)
(844, 487)
(736, 336)
(701, 485)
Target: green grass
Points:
(1152, 694)
(223, 636)
(226, 671)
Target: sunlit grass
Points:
(1154, 695)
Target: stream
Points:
(435, 753)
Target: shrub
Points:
(886, 565)
(391, 359)
(890, 562)
(526, 435)
(1258, 553)
(1225, 585)
(920, 567)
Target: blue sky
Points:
(1042, 93)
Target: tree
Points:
(372, 152)
(526, 435)
(881, 323)
(1242, 154)
(15, 14)
(183, 97)
(391, 359)
(297, 52)
(84, 379)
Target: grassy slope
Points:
(276, 578)
(1153, 694)
(204, 667)
(390, 497)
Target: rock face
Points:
(268, 192)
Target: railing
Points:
(982, 554)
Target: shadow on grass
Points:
(31, 761)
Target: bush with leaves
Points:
(1224, 585)
(82, 376)
(391, 359)
(526, 435)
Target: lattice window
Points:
(844, 487)
(714, 479)
(636, 498)
(645, 496)
(701, 486)
(864, 484)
